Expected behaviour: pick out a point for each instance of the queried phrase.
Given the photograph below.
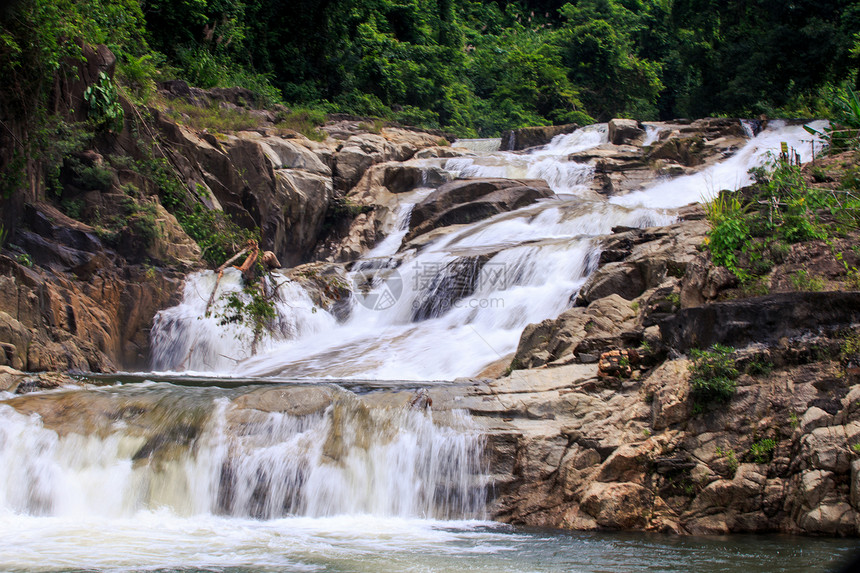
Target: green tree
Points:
(601, 55)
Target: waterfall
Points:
(652, 134)
(733, 173)
(548, 162)
(186, 337)
(202, 452)
(461, 302)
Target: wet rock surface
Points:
(470, 200)
(602, 431)
(594, 426)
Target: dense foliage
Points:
(474, 67)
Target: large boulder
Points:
(686, 151)
(618, 505)
(81, 306)
(283, 186)
(469, 200)
(285, 154)
(304, 198)
(715, 127)
(765, 319)
(578, 333)
(371, 207)
(623, 131)
(361, 151)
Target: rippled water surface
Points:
(159, 541)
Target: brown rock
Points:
(623, 131)
(617, 505)
(469, 200)
(295, 400)
(686, 151)
(270, 260)
(626, 464)
(617, 363)
(669, 388)
(831, 519)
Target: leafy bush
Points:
(759, 367)
(218, 236)
(103, 107)
(731, 459)
(730, 231)
(88, 177)
(761, 452)
(213, 118)
(304, 120)
(845, 132)
(138, 75)
(713, 374)
(141, 220)
(72, 207)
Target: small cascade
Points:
(752, 127)
(449, 285)
(652, 134)
(733, 173)
(548, 162)
(391, 243)
(210, 452)
(187, 337)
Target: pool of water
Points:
(161, 541)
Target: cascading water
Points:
(652, 134)
(157, 477)
(198, 336)
(548, 163)
(203, 452)
(266, 478)
(461, 302)
(733, 173)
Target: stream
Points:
(320, 453)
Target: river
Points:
(177, 475)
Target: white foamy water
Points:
(400, 226)
(732, 174)
(158, 476)
(462, 302)
(186, 337)
(652, 134)
(548, 162)
(191, 452)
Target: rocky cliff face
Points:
(593, 426)
(602, 429)
(91, 253)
